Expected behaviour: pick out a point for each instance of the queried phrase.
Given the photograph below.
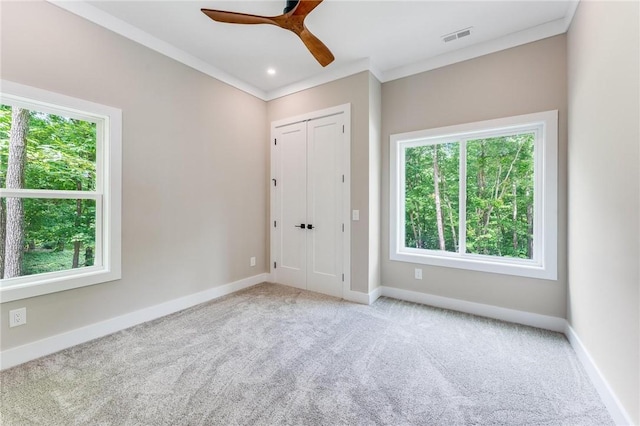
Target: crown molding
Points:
(571, 12)
(529, 35)
(97, 16)
(118, 26)
(326, 77)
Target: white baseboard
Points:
(609, 398)
(615, 408)
(511, 315)
(363, 298)
(375, 294)
(21, 354)
(356, 296)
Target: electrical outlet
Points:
(252, 261)
(17, 317)
(418, 274)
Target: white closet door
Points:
(291, 205)
(308, 159)
(324, 205)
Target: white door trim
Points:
(346, 194)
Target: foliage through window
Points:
(59, 193)
(47, 152)
(476, 196)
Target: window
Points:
(479, 196)
(60, 190)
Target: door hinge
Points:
(343, 128)
(343, 227)
(342, 277)
(342, 178)
(275, 141)
(275, 182)
(275, 225)
(275, 265)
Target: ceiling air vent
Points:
(456, 35)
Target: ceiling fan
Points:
(292, 19)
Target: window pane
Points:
(431, 197)
(56, 152)
(47, 235)
(500, 196)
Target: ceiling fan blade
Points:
(305, 6)
(237, 18)
(316, 47)
(292, 21)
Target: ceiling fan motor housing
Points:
(291, 4)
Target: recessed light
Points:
(271, 71)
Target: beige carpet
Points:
(275, 355)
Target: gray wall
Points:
(604, 191)
(195, 166)
(526, 79)
(196, 178)
(355, 90)
(375, 180)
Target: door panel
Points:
(292, 189)
(324, 205)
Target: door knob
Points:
(309, 226)
(302, 225)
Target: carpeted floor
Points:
(275, 355)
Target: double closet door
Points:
(307, 204)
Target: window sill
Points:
(25, 287)
(516, 267)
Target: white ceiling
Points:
(392, 39)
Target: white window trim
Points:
(545, 262)
(107, 194)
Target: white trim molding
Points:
(327, 76)
(609, 398)
(362, 298)
(21, 354)
(87, 11)
(118, 26)
(107, 194)
(375, 294)
(345, 110)
(571, 12)
(511, 315)
(490, 311)
(543, 128)
(357, 297)
(509, 41)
